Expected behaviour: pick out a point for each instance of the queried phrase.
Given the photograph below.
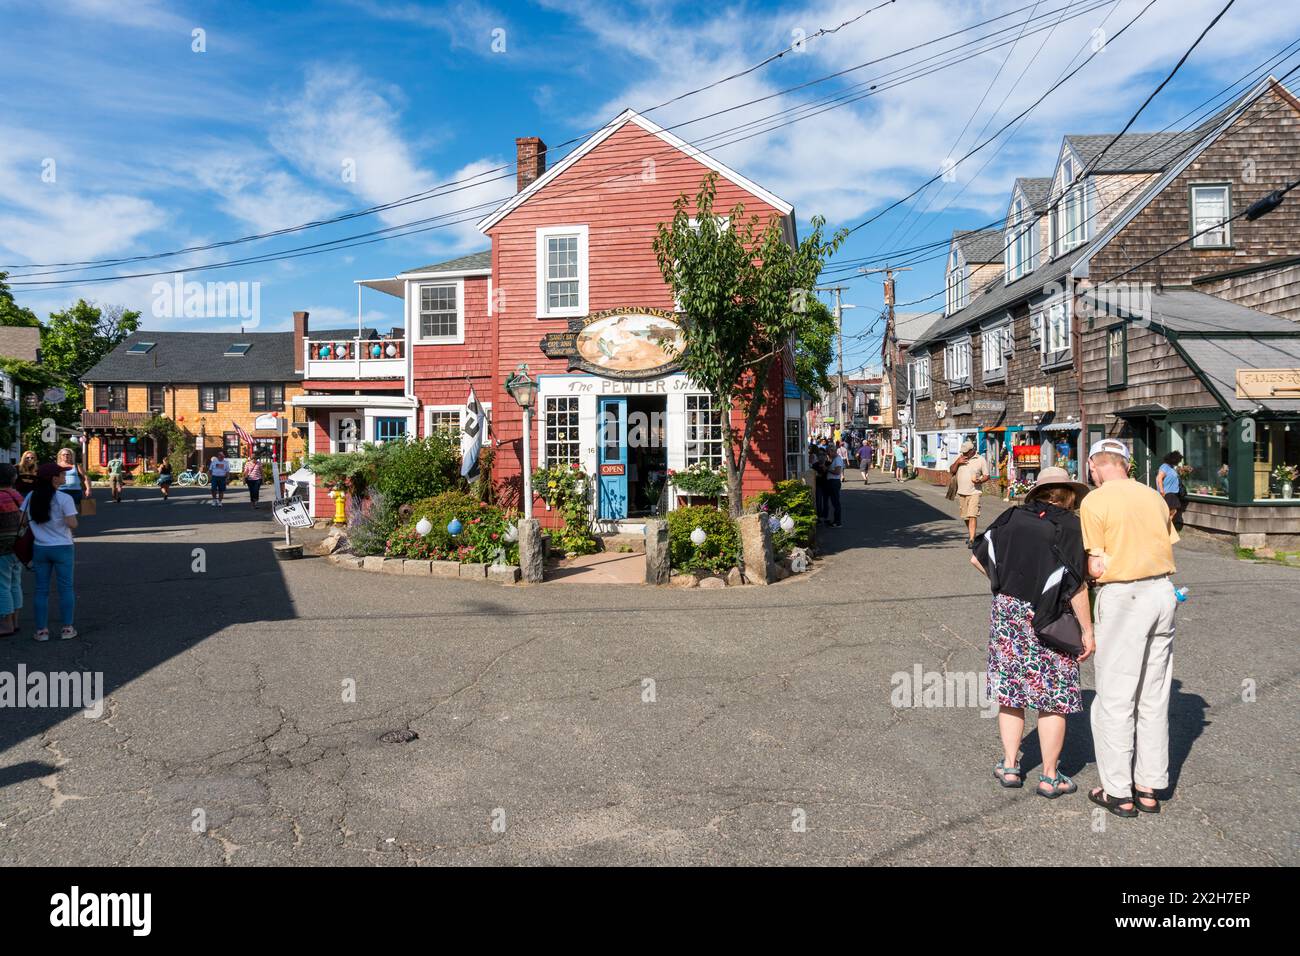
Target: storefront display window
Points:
(1205, 450)
(1276, 460)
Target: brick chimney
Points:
(299, 336)
(530, 161)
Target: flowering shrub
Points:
(699, 479)
(721, 548)
(791, 497)
(482, 538)
(565, 488)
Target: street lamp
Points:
(523, 390)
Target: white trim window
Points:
(1021, 242)
(956, 363)
(449, 419)
(994, 345)
(1211, 208)
(562, 271)
(957, 285)
(918, 378)
(703, 431)
(1056, 331)
(794, 447)
(560, 442)
(438, 312)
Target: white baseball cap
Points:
(1112, 445)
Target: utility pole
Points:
(839, 331)
(888, 342)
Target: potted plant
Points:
(699, 481)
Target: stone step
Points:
(616, 541)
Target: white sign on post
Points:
(291, 512)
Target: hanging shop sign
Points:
(1040, 398)
(620, 343)
(940, 409)
(1268, 383)
(989, 406)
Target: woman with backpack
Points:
(1040, 624)
(11, 569)
(52, 517)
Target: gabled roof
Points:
(1187, 312)
(631, 116)
(19, 342)
(981, 247)
(474, 262)
(1132, 152)
(1217, 358)
(1037, 191)
(192, 357)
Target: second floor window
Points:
(266, 398)
(439, 313)
(1116, 357)
(919, 374)
(561, 271)
(993, 349)
(210, 395)
(110, 398)
(957, 287)
(1056, 331)
(157, 398)
(956, 363)
(1211, 207)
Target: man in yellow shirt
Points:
(1129, 539)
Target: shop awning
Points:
(1142, 411)
(1219, 358)
(353, 401)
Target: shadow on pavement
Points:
(140, 603)
(883, 514)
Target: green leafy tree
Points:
(11, 313)
(747, 296)
(814, 348)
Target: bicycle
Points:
(189, 477)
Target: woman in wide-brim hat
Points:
(1034, 558)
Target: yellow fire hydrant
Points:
(340, 515)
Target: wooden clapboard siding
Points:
(443, 374)
(1156, 375)
(1276, 291)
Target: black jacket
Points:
(1035, 553)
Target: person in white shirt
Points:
(52, 516)
(834, 480)
(219, 471)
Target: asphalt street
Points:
(601, 724)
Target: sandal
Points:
(1113, 804)
(1140, 795)
(1056, 782)
(1002, 773)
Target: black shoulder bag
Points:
(1063, 633)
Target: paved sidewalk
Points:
(602, 724)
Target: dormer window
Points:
(1021, 242)
(958, 287)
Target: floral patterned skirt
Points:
(1024, 673)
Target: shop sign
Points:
(612, 470)
(267, 423)
(993, 406)
(1040, 398)
(940, 409)
(962, 409)
(291, 512)
(1268, 382)
(874, 419)
(620, 343)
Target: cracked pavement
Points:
(226, 738)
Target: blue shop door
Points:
(612, 460)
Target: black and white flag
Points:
(473, 425)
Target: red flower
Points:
(495, 535)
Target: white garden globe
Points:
(423, 526)
(787, 524)
(698, 536)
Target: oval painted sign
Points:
(628, 343)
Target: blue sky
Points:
(124, 141)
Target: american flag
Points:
(244, 437)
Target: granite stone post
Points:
(657, 569)
(531, 556)
(756, 548)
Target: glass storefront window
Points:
(1205, 449)
(1277, 457)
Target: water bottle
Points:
(1181, 594)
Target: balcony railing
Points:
(122, 420)
(355, 358)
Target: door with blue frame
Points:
(612, 459)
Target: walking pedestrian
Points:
(970, 471)
(165, 479)
(834, 481)
(11, 569)
(219, 472)
(76, 485)
(1170, 484)
(817, 462)
(900, 462)
(52, 517)
(1129, 536)
(26, 473)
(864, 461)
(1034, 558)
(253, 478)
(116, 471)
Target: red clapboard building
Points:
(571, 288)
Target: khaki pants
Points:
(1134, 667)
